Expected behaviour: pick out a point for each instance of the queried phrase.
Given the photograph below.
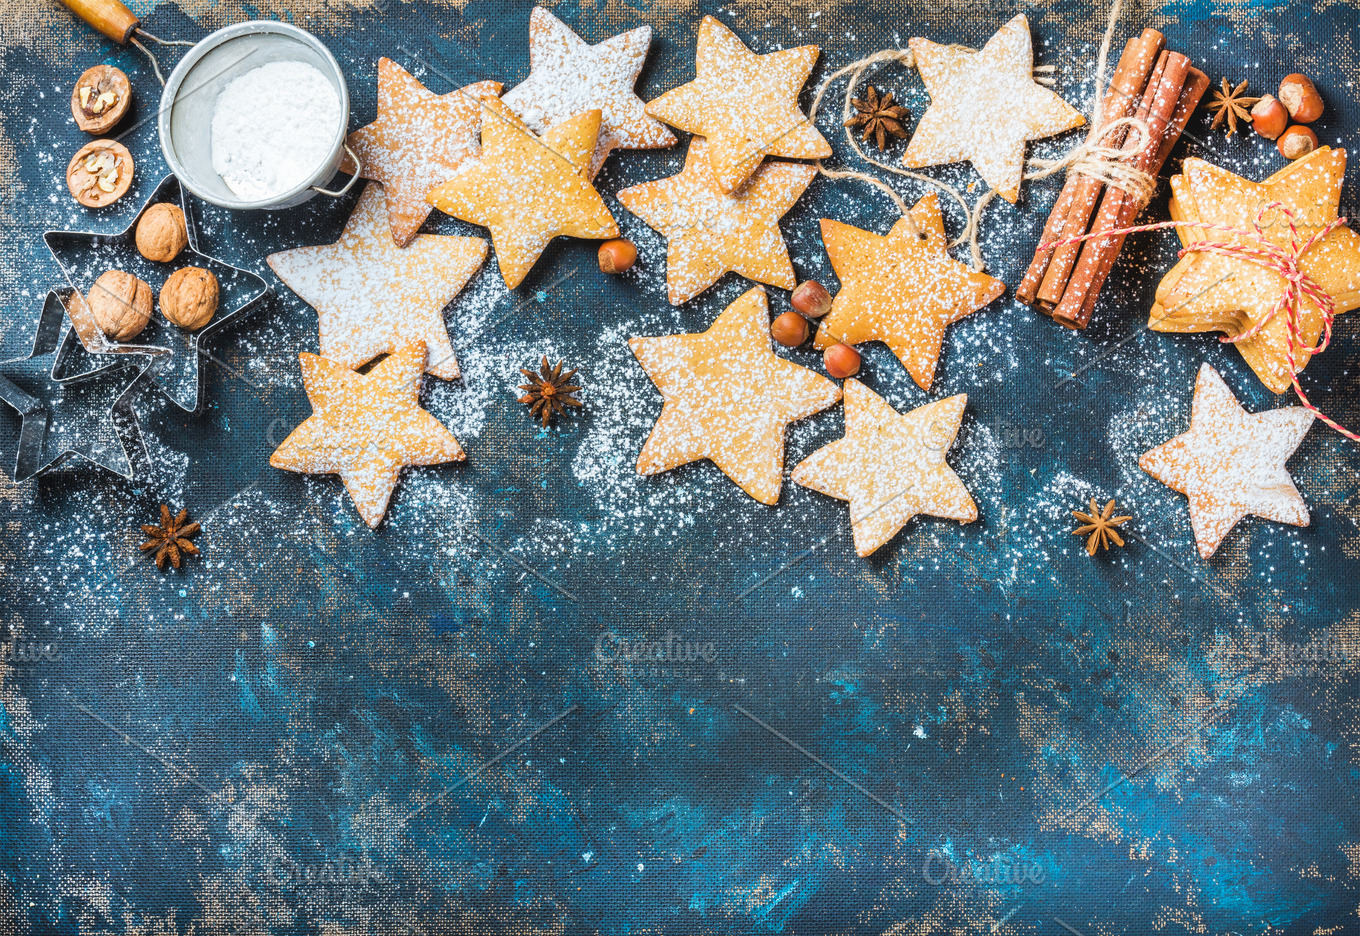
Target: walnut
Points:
(121, 304)
(189, 297)
(100, 173)
(100, 99)
(161, 233)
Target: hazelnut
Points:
(841, 361)
(1297, 142)
(1269, 118)
(189, 297)
(100, 99)
(100, 173)
(812, 299)
(617, 255)
(789, 329)
(121, 304)
(1300, 97)
(161, 232)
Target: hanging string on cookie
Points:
(1254, 247)
(1101, 160)
(1113, 163)
(856, 70)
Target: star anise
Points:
(548, 391)
(879, 117)
(171, 538)
(1101, 525)
(1230, 105)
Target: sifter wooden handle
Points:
(110, 17)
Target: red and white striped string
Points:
(1284, 261)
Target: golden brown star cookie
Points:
(728, 398)
(890, 466)
(372, 296)
(1231, 463)
(709, 232)
(985, 106)
(528, 189)
(568, 75)
(418, 141)
(901, 289)
(366, 428)
(1214, 292)
(745, 104)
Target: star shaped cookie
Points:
(419, 140)
(568, 75)
(529, 189)
(745, 104)
(890, 466)
(985, 106)
(366, 427)
(372, 296)
(728, 398)
(901, 289)
(1231, 462)
(709, 232)
(1212, 292)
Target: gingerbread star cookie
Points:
(372, 296)
(728, 398)
(1231, 462)
(901, 289)
(985, 106)
(890, 466)
(745, 104)
(529, 189)
(366, 428)
(709, 232)
(568, 75)
(419, 140)
(1215, 292)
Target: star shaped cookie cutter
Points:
(90, 416)
(171, 354)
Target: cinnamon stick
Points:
(1077, 199)
(1097, 256)
(1058, 278)
(1196, 85)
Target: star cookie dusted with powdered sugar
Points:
(728, 398)
(744, 103)
(890, 466)
(709, 233)
(1231, 462)
(372, 296)
(901, 289)
(985, 106)
(419, 140)
(366, 428)
(529, 189)
(568, 75)
(1217, 292)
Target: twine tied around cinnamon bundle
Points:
(1253, 247)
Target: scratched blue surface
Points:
(1124, 745)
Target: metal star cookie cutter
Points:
(90, 417)
(171, 355)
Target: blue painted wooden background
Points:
(987, 731)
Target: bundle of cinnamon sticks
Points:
(1162, 89)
